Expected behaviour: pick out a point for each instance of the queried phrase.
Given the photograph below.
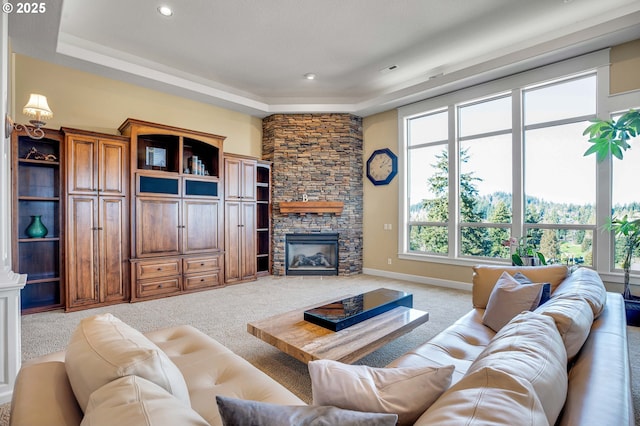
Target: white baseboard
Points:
(419, 279)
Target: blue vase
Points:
(36, 228)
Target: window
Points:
(505, 159)
(559, 182)
(428, 165)
(484, 183)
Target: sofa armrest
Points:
(43, 396)
(600, 379)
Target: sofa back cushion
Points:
(486, 397)
(486, 276)
(531, 349)
(103, 348)
(587, 284)
(573, 317)
(132, 400)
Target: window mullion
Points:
(517, 165)
(453, 228)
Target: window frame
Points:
(606, 106)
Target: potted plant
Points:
(523, 252)
(613, 136)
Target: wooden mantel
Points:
(317, 207)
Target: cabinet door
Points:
(240, 179)
(201, 221)
(81, 165)
(112, 232)
(248, 241)
(232, 240)
(232, 179)
(82, 251)
(157, 227)
(248, 170)
(113, 161)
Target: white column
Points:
(10, 343)
(10, 283)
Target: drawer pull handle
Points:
(159, 269)
(202, 264)
(201, 280)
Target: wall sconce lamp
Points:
(39, 110)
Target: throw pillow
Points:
(546, 287)
(407, 392)
(103, 348)
(508, 299)
(236, 412)
(132, 400)
(485, 277)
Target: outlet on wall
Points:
(389, 260)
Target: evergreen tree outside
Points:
(501, 214)
(549, 245)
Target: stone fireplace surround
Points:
(319, 155)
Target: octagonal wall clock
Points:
(382, 166)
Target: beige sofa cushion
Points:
(486, 397)
(587, 284)
(573, 317)
(407, 392)
(486, 276)
(508, 298)
(530, 348)
(132, 400)
(103, 348)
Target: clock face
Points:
(382, 166)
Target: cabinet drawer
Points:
(158, 268)
(158, 287)
(201, 281)
(201, 264)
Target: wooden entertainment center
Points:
(155, 212)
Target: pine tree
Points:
(549, 244)
(501, 214)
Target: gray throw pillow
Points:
(236, 412)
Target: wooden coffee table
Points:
(305, 341)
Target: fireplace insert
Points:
(311, 254)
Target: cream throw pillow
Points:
(132, 400)
(508, 299)
(407, 392)
(103, 348)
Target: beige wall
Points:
(87, 101)
(625, 67)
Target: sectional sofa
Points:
(564, 361)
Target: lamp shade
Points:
(37, 107)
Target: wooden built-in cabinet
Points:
(240, 219)
(177, 231)
(36, 171)
(97, 219)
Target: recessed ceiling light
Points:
(310, 76)
(165, 11)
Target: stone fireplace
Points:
(316, 157)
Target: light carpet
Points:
(223, 314)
